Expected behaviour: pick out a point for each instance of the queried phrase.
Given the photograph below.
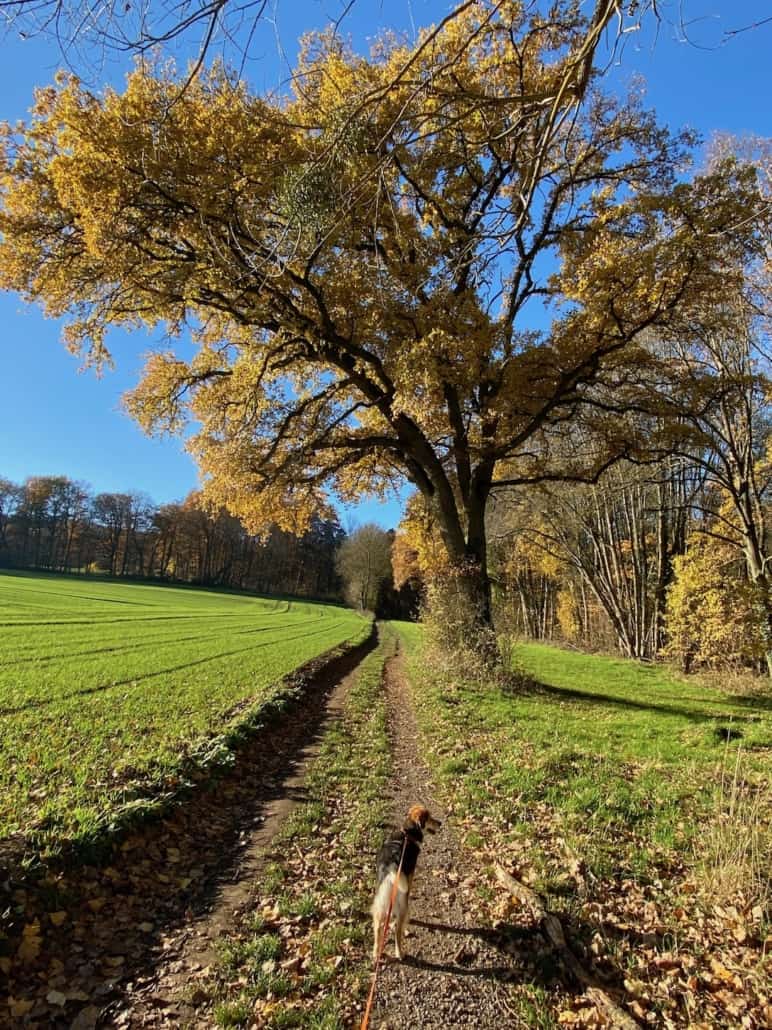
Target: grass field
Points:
(626, 755)
(610, 787)
(108, 690)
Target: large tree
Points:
(363, 265)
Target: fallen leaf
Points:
(721, 971)
(568, 1018)
(29, 949)
(86, 1019)
(19, 1007)
(638, 1011)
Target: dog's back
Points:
(391, 852)
(398, 848)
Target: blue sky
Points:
(54, 420)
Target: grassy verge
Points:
(113, 696)
(301, 958)
(613, 788)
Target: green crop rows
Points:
(109, 690)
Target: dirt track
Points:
(458, 966)
(140, 936)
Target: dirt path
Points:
(193, 949)
(139, 941)
(458, 966)
(131, 940)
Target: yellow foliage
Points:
(568, 618)
(333, 255)
(712, 615)
(418, 545)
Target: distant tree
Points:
(68, 508)
(619, 537)
(364, 565)
(718, 417)
(112, 513)
(53, 522)
(43, 516)
(317, 551)
(11, 495)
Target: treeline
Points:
(665, 559)
(57, 524)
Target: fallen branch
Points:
(553, 929)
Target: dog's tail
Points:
(380, 904)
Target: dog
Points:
(404, 844)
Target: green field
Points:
(108, 690)
(627, 756)
(636, 802)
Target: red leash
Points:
(395, 887)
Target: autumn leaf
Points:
(29, 948)
(19, 1008)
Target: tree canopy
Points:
(433, 262)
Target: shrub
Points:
(711, 616)
(459, 645)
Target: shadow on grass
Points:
(547, 690)
(760, 699)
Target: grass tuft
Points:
(734, 851)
